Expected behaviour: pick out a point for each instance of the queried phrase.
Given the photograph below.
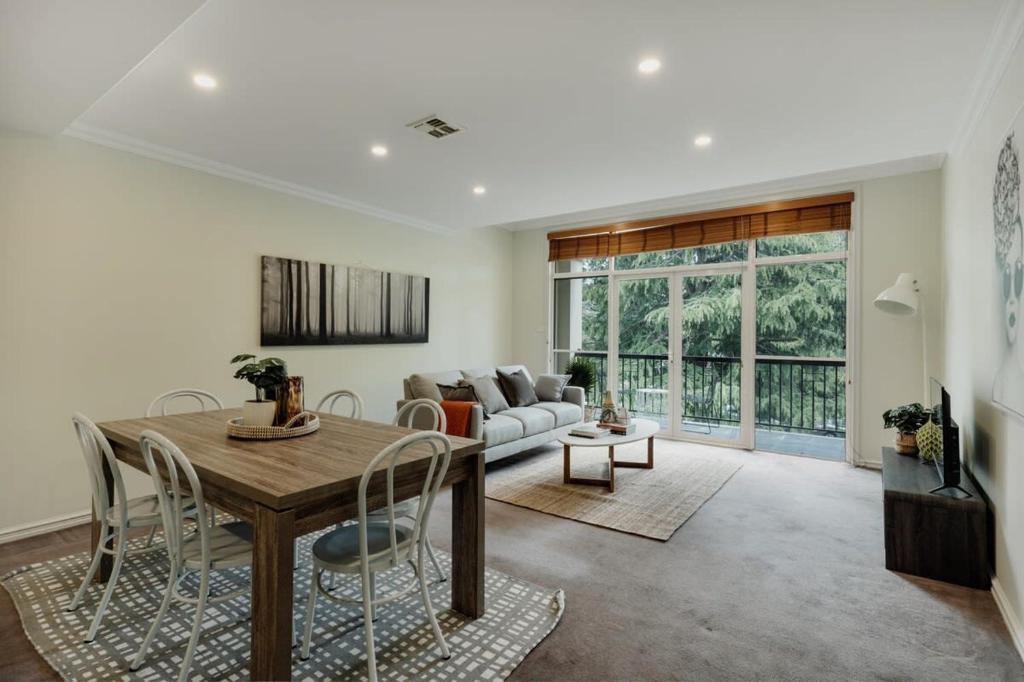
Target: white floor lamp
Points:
(904, 298)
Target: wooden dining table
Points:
(290, 487)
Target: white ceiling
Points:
(557, 118)
(57, 57)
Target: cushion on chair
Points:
(502, 429)
(340, 547)
(534, 421)
(228, 547)
(564, 413)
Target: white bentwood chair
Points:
(377, 545)
(408, 508)
(210, 548)
(355, 410)
(205, 400)
(116, 513)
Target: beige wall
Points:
(122, 277)
(898, 231)
(993, 440)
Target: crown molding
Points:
(999, 48)
(172, 156)
(712, 199)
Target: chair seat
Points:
(406, 508)
(338, 549)
(230, 547)
(143, 511)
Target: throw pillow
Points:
(518, 388)
(549, 387)
(424, 387)
(462, 392)
(490, 397)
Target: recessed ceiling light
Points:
(204, 81)
(649, 65)
(702, 141)
(479, 189)
(379, 150)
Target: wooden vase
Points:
(290, 401)
(906, 443)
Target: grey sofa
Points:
(516, 429)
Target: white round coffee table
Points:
(645, 429)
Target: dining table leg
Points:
(272, 567)
(107, 560)
(468, 540)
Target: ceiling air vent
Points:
(435, 127)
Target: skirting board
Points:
(1012, 623)
(46, 526)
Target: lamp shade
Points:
(901, 298)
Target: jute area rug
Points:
(648, 502)
(519, 616)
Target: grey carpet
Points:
(780, 576)
(519, 615)
(649, 502)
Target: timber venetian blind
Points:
(795, 216)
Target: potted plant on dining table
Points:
(264, 374)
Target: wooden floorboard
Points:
(20, 661)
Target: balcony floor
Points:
(803, 444)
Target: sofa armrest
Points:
(421, 420)
(574, 395)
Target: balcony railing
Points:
(790, 394)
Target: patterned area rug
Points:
(649, 502)
(519, 616)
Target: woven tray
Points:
(310, 423)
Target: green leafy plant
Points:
(581, 373)
(906, 418)
(262, 374)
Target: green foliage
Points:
(581, 373)
(262, 374)
(906, 418)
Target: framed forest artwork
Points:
(312, 304)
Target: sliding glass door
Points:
(742, 343)
(711, 385)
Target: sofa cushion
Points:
(501, 429)
(517, 388)
(534, 421)
(549, 387)
(425, 385)
(488, 393)
(564, 413)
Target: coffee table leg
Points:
(650, 452)
(611, 468)
(565, 464)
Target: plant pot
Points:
(906, 443)
(259, 412)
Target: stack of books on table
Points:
(588, 431)
(620, 429)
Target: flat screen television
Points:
(948, 461)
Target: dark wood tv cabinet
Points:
(931, 535)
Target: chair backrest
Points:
(157, 451)
(407, 414)
(440, 458)
(205, 399)
(96, 449)
(356, 408)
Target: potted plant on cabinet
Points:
(906, 419)
(262, 374)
